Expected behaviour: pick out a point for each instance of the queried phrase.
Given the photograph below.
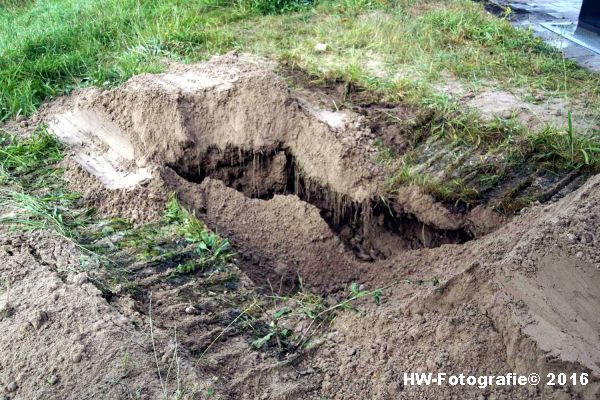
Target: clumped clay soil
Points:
(297, 190)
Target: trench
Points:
(371, 229)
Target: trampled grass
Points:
(33, 195)
(19, 157)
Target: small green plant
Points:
(275, 6)
(305, 305)
(52, 380)
(126, 360)
(210, 248)
(174, 213)
(357, 293)
(281, 335)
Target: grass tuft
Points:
(210, 248)
(21, 157)
(564, 150)
(266, 7)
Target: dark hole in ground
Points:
(372, 229)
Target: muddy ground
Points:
(298, 190)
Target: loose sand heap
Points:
(297, 191)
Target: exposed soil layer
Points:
(297, 190)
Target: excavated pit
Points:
(296, 191)
(371, 229)
(234, 121)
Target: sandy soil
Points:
(293, 187)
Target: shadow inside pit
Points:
(372, 229)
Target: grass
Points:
(369, 46)
(455, 190)
(27, 166)
(32, 158)
(386, 154)
(565, 149)
(399, 50)
(271, 326)
(107, 41)
(210, 248)
(40, 212)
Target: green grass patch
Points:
(50, 47)
(33, 195)
(20, 158)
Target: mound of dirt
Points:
(177, 117)
(295, 188)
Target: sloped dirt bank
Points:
(297, 191)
